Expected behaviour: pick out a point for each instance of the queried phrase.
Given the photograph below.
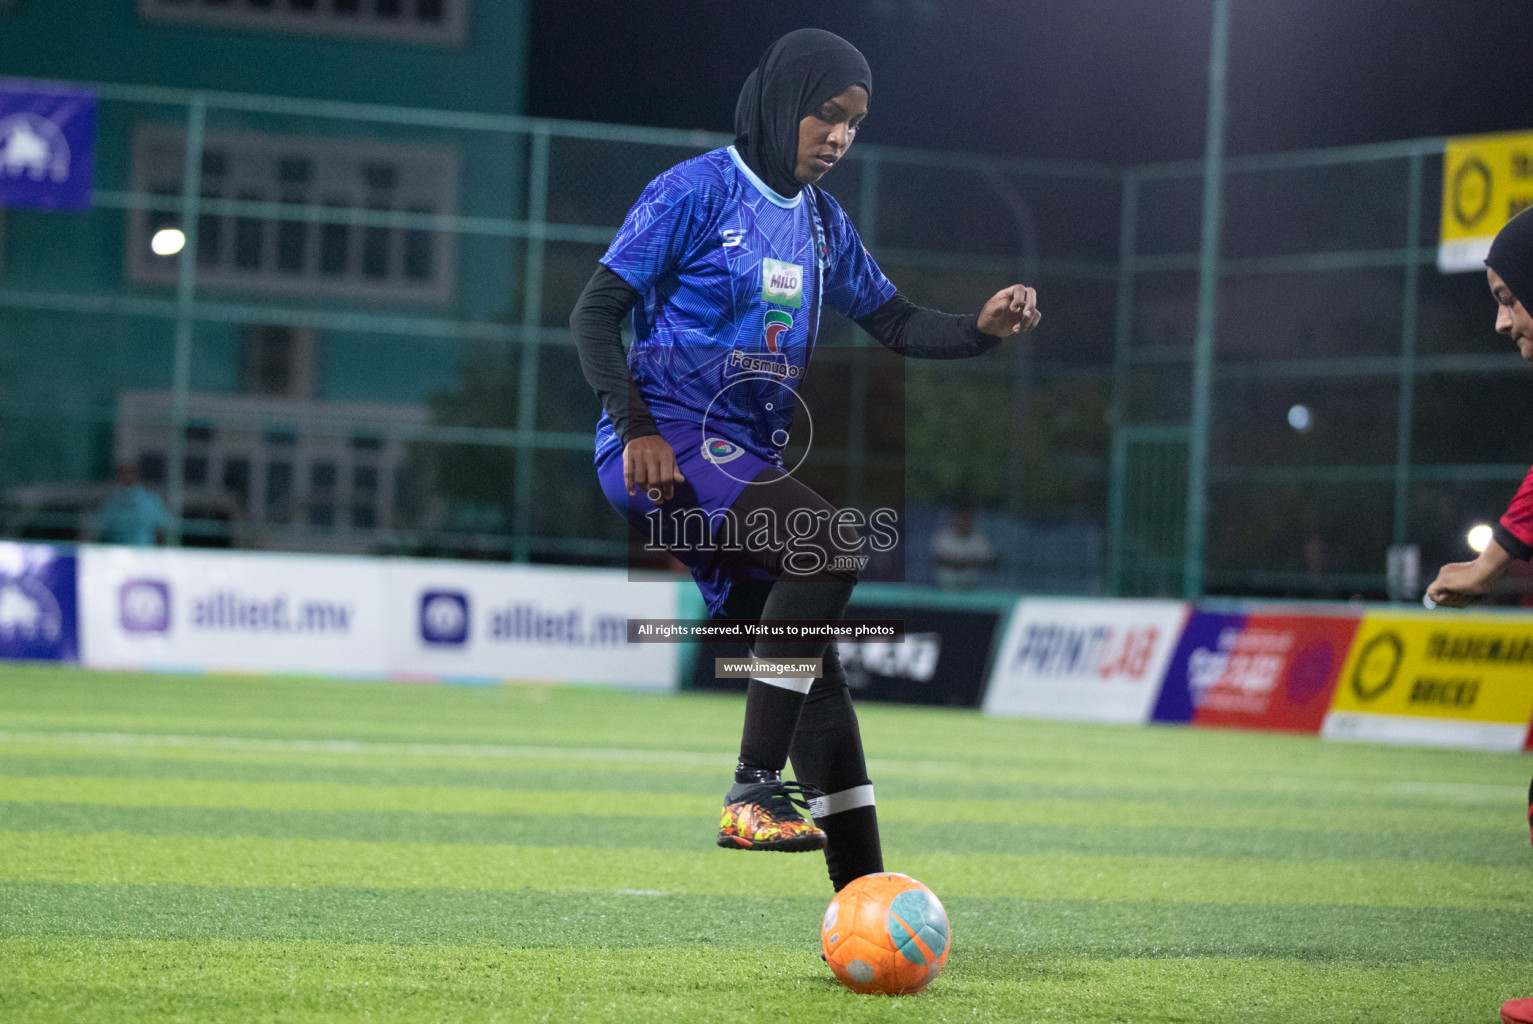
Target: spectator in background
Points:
(960, 552)
(132, 514)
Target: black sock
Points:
(827, 754)
(771, 716)
(772, 707)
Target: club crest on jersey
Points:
(782, 284)
(719, 451)
(776, 325)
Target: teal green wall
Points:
(106, 41)
(60, 373)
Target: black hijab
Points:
(1511, 257)
(797, 74)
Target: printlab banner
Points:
(943, 659)
(466, 621)
(47, 145)
(1084, 660)
(38, 616)
(1439, 679)
(1256, 671)
(205, 611)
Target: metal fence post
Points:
(857, 419)
(1409, 328)
(1123, 341)
(186, 296)
(532, 324)
(1208, 306)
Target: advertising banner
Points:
(466, 621)
(943, 658)
(1099, 661)
(1256, 670)
(178, 610)
(1487, 180)
(38, 615)
(47, 145)
(1443, 679)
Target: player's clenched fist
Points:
(1010, 311)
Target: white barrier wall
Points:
(188, 610)
(197, 611)
(1083, 660)
(454, 619)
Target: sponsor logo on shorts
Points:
(444, 618)
(782, 284)
(777, 324)
(143, 606)
(719, 451)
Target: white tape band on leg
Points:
(846, 800)
(795, 683)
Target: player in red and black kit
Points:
(1509, 268)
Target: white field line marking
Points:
(1458, 792)
(153, 740)
(1472, 792)
(144, 740)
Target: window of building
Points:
(237, 481)
(151, 468)
(438, 22)
(276, 360)
(278, 254)
(279, 492)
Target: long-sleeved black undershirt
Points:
(597, 324)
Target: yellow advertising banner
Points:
(1487, 180)
(1444, 678)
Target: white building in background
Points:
(283, 472)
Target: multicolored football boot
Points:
(764, 816)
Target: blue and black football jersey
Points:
(732, 276)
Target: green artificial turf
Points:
(262, 849)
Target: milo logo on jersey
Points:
(782, 284)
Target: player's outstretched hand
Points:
(1010, 311)
(649, 465)
(1459, 583)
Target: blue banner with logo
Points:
(39, 618)
(47, 145)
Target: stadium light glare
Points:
(1300, 418)
(1479, 537)
(168, 241)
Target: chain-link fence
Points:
(1361, 398)
(337, 327)
(321, 326)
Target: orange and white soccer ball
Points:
(885, 933)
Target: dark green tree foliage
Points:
(475, 480)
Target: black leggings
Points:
(817, 730)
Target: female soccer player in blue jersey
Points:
(724, 262)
